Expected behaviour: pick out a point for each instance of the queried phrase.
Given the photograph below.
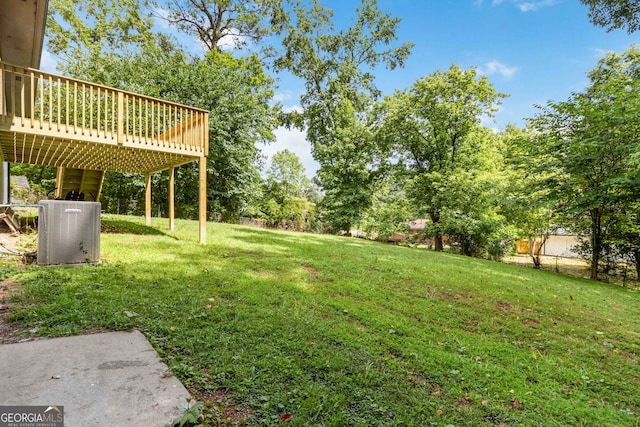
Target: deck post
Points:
(172, 182)
(59, 180)
(202, 204)
(5, 178)
(147, 200)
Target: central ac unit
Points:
(68, 232)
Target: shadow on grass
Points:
(264, 236)
(113, 226)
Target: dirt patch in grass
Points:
(220, 406)
(7, 288)
(9, 242)
(465, 402)
(504, 307)
(263, 274)
(312, 271)
(10, 332)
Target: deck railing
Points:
(33, 101)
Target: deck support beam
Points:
(59, 180)
(5, 181)
(202, 204)
(147, 200)
(172, 184)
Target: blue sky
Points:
(533, 50)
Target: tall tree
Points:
(224, 23)
(390, 209)
(429, 129)
(286, 175)
(590, 142)
(613, 14)
(286, 189)
(346, 169)
(111, 49)
(237, 93)
(95, 37)
(526, 203)
(336, 66)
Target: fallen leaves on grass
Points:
(285, 417)
(515, 404)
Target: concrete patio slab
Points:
(108, 379)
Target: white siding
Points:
(561, 246)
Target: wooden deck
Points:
(52, 120)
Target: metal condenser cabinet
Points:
(68, 232)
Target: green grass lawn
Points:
(274, 327)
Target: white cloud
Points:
(160, 17)
(199, 48)
(231, 40)
(285, 95)
(600, 53)
(293, 109)
(532, 6)
(295, 141)
(48, 62)
(495, 67)
(523, 5)
(490, 122)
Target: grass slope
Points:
(278, 327)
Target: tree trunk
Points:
(535, 255)
(636, 258)
(437, 239)
(536, 262)
(596, 242)
(535, 252)
(437, 243)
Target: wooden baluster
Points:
(106, 112)
(98, 117)
(114, 124)
(126, 100)
(153, 119)
(75, 107)
(90, 110)
(120, 119)
(50, 102)
(164, 125)
(84, 108)
(146, 121)
(59, 95)
(140, 120)
(22, 101)
(15, 97)
(32, 100)
(41, 100)
(67, 105)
